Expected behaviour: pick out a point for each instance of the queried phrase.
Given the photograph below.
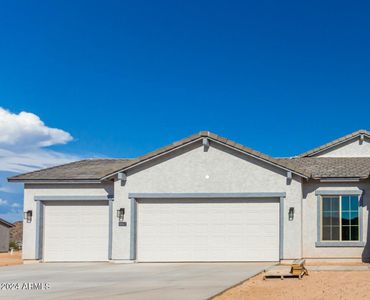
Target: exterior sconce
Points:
(291, 213)
(121, 214)
(27, 215)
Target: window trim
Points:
(319, 194)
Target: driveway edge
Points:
(241, 282)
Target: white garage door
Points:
(76, 231)
(208, 230)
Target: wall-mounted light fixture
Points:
(291, 213)
(27, 215)
(121, 214)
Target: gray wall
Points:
(4, 238)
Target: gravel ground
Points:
(318, 285)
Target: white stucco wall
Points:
(309, 207)
(352, 148)
(219, 170)
(32, 190)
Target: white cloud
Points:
(23, 141)
(26, 130)
(31, 160)
(13, 205)
(9, 188)
(5, 189)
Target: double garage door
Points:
(207, 230)
(167, 230)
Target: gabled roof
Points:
(286, 165)
(2, 221)
(336, 142)
(100, 169)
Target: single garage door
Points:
(76, 231)
(207, 230)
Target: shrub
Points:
(14, 245)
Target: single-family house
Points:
(203, 198)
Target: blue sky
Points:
(125, 77)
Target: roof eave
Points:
(59, 181)
(6, 223)
(270, 162)
(340, 179)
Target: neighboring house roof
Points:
(336, 142)
(333, 167)
(7, 224)
(99, 169)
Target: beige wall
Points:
(220, 170)
(310, 221)
(352, 148)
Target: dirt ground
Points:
(8, 260)
(318, 285)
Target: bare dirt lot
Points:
(8, 260)
(318, 285)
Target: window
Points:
(340, 218)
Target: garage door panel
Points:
(208, 230)
(76, 231)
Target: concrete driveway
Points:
(123, 281)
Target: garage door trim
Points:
(136, 196)
(40, 217)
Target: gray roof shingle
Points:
(88, 169)
(332, 167)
